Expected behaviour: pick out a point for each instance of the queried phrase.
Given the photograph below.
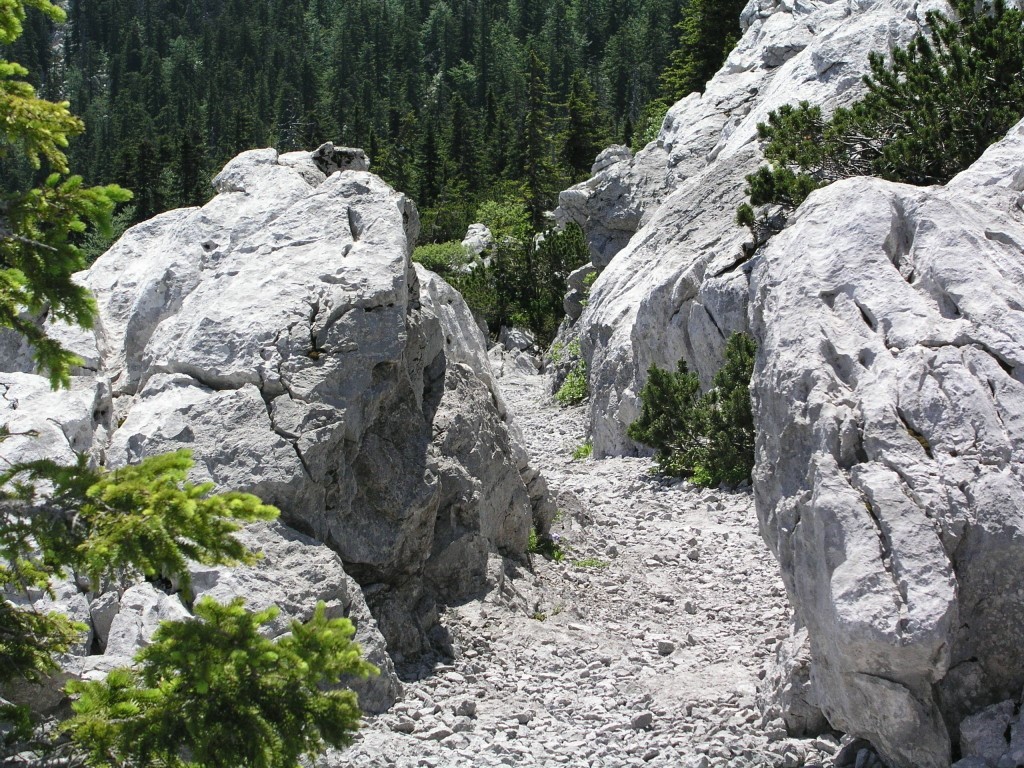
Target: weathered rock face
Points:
(280, 333)
(787, 694)
(612, 203)
(478, 239)
(678, 289)
(889, 395)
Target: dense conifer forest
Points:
(452, 99)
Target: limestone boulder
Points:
(139, 612)
(277, 333)
(480, 434)
(281, 334)
(517, 340)
(889, 398)
(485, 501)
(661, 225)
(787, 694)
(47, 694)
(610, 205)
(478, 239)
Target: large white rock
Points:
(679, 288)
(478, 239)
(482, 460)
(280, 333)
(889, 397)
(276, 332)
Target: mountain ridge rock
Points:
(679, 288)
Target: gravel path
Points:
(643, 646)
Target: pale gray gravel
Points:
(648, 655)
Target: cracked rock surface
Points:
(889, 397)
(283, 335)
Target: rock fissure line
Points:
(885, 546)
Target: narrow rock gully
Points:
(642, 646)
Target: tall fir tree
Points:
(707, 32)
(583, 137)
(536, 144)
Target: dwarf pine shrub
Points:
(930, 111)
(707, 437)
(574, 388)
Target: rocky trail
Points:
(642, 646)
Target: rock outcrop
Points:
(679, 287)
(283, 335)
(478, 239)
(889, 390)
(612, 203)
(889, 397)
(295, 573)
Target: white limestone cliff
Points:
(889, 398)
(679, 288)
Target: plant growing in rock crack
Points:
(548, 546)
(574, 388)
(707, 437)
(928, 114)
(591, 562)
(588, 283)
(583, 451)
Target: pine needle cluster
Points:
(707, 437)
(929, 112)
(216, 693)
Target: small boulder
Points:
(642, 721)
(517, 340)
(465, 708)
(984, 734)
(478, 239)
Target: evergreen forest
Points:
(456, 101)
